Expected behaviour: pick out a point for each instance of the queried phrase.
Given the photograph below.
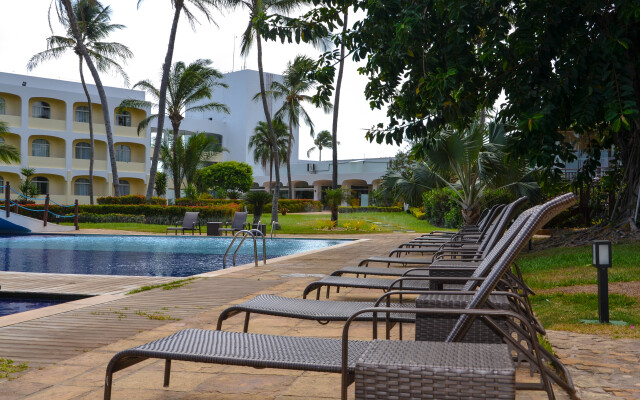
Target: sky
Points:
(147, 34)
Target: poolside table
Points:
(213, 228)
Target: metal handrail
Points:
(245, 233)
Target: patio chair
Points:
(443, 259)
(454, 364)
(238, 223)
(190, 222)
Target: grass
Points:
(165, 286)
(563, 267)
(562, 311)
(305, 223)
(556, 267)
(8, 367)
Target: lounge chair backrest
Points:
(536, 220)
(507, 214)
(489, 217)
(490, 224)
(239, 219)
(190, 219)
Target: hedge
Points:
(345, 210)
(162, 214)
(183, 201)
(132, 199)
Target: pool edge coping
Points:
(43, 312)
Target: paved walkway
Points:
(69, 351)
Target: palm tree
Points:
(258, 11)
(467, 161)
(67, 17)
(295, 82)
(336, 102)
(260, 142)
(179, 6)
(188, 85)
(93, 23)
(322, 140)
(190, 154)
(8, 153)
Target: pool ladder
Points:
(245, 233)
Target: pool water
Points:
(13, 303)
(136, 255)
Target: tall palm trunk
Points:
(91, 139)
(272, 134)
(291, 193)
(175, 163)
(271, 174)
(73, 23)
(336, 108)
(162, 101)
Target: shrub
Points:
(257, 200)
(417, 212)
(132, 199)
(345, 210)
(324, 225)
(228, 176)
(441, 209)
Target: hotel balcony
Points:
(98, 165)
(47, 162)
(47, 124)
(131, 166)
(11, 120)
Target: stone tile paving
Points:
(600, 367)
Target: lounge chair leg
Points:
(328, 290)
(108, 382)
(167, 372)
(318, 293)
(246, 322)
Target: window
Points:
(123, 153)
(41, 109)
(83, 151)
(81, 187)
(2, 106)
(82, 114)
(123, 118)
(40, 148)
(125, 188)
(1, 184)
(42, 184)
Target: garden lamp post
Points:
(602, 261)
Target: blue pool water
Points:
(135, 255)
(14, 305)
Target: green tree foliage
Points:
(27, 187)
(228, 175)
(94, 24)
(334, 198)
(189, 85)
(161, 183)
(188, 8)
(8, 153)
(258, 199)
(320, 141)
(564, 66)
(260, 143)
(469, 162)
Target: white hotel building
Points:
(48, 123)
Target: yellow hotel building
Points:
(48, 121)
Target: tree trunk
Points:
(319, 153)
(272, 134)
(73, 23)
(175, 162)
(162, 101)
(271, 174)
(629, 147)
(291, 196)
(470, 216)
(91, 139)
(336, 108)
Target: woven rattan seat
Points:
(374, 283)
(316, 310)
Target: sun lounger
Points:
(237, 224)
(350, 357)
(189, 223)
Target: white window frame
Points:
(82, 149)
(40, 148)
(3, 106)
(123, 153)
(41, 182)
(81, 187)
(41, 109)
(125, 187)
(82, 114)
(123, 118)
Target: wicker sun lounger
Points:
(315, 354)
(189, 223)
(237, 224)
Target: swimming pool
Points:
(136, 255)
(14, 302)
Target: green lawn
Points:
(303, 223)
(562, 267)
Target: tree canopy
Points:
(228, 175)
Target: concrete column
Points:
(68, 154)
(68, 191)
(25, 151)
(68, 116)
(317, 191)
(24, 112)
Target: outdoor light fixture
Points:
(24, 83)
(602, 261)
